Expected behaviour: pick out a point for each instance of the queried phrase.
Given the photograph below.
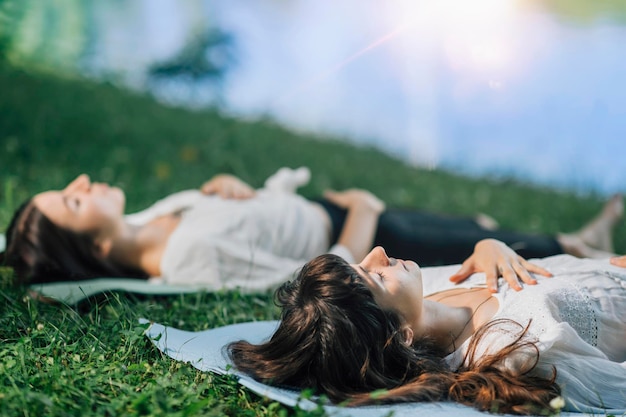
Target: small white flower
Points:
(40, 326)
(557, 403)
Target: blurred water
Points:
(489, 87)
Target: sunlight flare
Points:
(476, 35)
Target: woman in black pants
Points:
(434, 239)
(228, 235)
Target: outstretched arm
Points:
(227, 186)
(496, 259)
(361, 221)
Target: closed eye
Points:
(371, 274)
(71, 203)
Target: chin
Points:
(416, 270)
(121, 197)
(413, 266)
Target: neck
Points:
(126, 247)
(141, 247)
(446, 324)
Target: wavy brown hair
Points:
(334, 338)
(40, 251)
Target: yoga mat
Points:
(205, 351)
(71, 292)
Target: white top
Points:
(578, 323)
(253, 244)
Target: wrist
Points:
(373, 206)
(486, 242)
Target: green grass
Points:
(93, 359)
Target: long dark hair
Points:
(334, 338)
(39, 251)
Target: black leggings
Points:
(433, 239)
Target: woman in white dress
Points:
(227, 235)
(384, 330)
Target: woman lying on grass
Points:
(376, 332)
(228, 235)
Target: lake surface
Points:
(490, 87)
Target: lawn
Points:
(92, 359)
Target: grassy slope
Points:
(94, 359)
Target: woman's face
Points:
(395, 284)
(84, 207)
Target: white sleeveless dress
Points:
(578, 323)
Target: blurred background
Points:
(526, 89)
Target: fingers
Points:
(228, 192)
(491, 276)
(236, 192)
(241, 191)
(619, 261)
(497, 260)
(515, 271)
(536, 269)
(228, 187)
(208, 188)
(520, 271)
(461, 275)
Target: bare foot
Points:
(598, 233)
(572, 244)
(595, 239)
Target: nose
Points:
(376, 257)
(80, 183)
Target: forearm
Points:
(359, 229)
(364, 208)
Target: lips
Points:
(100, 187)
